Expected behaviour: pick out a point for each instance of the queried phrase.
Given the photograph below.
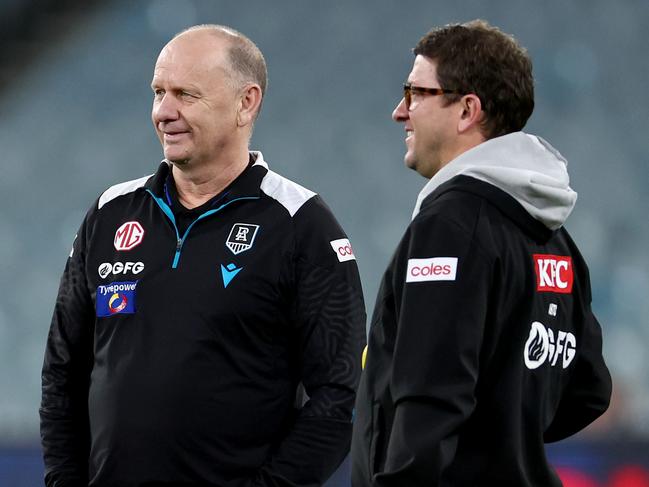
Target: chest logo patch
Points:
(543, 346)
(241, 238)
(116, 298)
(553, 273)
(128, 235)
(228, 272)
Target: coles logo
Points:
(129, 235)
(343, 249)
(543, 346)
(119, 268)
(553, 273)
(432, 269)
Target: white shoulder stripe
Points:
(289, 194)
(120, 189)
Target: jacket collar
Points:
(247, 184)
(507, 204)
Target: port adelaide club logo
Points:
(241, 237)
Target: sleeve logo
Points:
(432, 269)
(553, 273)
(343, 249)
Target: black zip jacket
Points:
(175, 358)
(482, 347)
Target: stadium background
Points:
(74, 119)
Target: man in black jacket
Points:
(482, 345)
(199, 301)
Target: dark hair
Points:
(478, 58)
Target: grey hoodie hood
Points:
(524, 166)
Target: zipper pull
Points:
(179, 243)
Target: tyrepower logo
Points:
(432, 269)
(343, 249)
(119, 268)
(553, 273)
(543, 346)
(116, 298)
(129, 235)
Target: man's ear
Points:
(249, 104)
(472, 114)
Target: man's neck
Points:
(198, 184)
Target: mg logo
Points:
(129, 235)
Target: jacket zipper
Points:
(181, 240)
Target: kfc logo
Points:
(432, 269)
(129, 235)
(553, 273)
(343, 249)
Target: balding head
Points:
(246, 62)
(208, 85)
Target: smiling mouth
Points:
(409, 133)
(171, 136)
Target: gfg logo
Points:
(343, 249)
(128, 235)
(116, 268)
(542, 346)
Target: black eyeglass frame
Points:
(409, 89)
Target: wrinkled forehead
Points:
(200, 54)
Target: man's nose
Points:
(165, 108)
(400, 113)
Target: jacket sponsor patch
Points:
(432, 269)
(105, 269)
(128, 235)
(241, 237)
(553, 273)
(542, 346)
(343, 249)
(116, 298)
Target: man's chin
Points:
(417, 166)
(177, 161)
(410, 162)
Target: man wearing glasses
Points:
(482, 345)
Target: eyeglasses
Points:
(409, 89)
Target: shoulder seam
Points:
(289, 194)
(121, 189)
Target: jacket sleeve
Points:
(329, 316)
(65, 377)
(440, 326)
(588, 392)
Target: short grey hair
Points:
(246, 60)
